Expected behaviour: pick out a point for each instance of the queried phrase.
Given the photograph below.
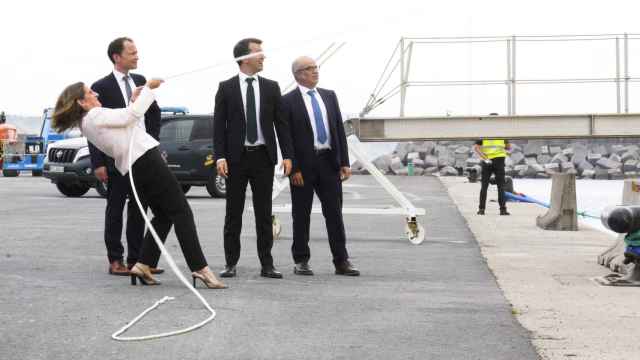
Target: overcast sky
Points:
(48, 44)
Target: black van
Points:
(186, 143)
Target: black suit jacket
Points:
(230, 126)
(110, 97)
(295, 113)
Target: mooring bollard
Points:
(562, 214)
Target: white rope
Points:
(165, 254)
(172, 264)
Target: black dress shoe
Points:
(302, 268)
(270, 272)
(347, 269)
(229, 271)
(504, 212)
(481, 212)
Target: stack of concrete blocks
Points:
(587, 159)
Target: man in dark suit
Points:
(321, 164)
(115, 91)
(247, 107)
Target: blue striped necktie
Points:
(317, 114)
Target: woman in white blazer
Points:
(110, 130)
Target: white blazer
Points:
(110, 130)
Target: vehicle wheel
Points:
(217, 187)
(185, 188)
(36, 173)
(73, 190)
(10, 173)
(101, 188)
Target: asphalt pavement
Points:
(437, 300)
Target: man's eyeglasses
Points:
(310, 68)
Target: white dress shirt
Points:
(110, 130)
(119, 77)
(312, 118)
(256, 91)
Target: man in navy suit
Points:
(115, 92)
(320, 164)
(247, 107)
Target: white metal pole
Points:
(618, 103)
(508, 82)
(513, 75)
(626, 73)
(403, 85)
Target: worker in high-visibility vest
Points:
(493, 153)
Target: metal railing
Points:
(402, 55)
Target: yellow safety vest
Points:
(494, 148)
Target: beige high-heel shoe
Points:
(142, 272)
(208, 278)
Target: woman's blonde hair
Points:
(68, 113)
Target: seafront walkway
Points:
(547, 277)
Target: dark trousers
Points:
(256, 169)
(158, 187)
(324, 179)
(497, 168)
(118, 190)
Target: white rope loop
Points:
(172, 264)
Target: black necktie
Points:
(127, 88)
(252, 124)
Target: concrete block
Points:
(413, 155)
(615, 157)
(585, 165)
(430, 161)
(559, 158)
(601, 174)
(396, 164)
(532, 148)
(552, 166)
(599, 149)
(402, 171)
(383, 162)
(579, 153)
(568, 152)
(515, 148)
(472, 162)
(588, 174)
(615, 174)
(418, 163)
(566, 166)
(517, 158)
(449, 171)
(630, 165)
(629, 155)
(544, 149)
(543, 158)
(617, 149)
(530, 160)
(553, 150)
(608, 164)
(562, 214)
(430, 170)
(593, 158)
